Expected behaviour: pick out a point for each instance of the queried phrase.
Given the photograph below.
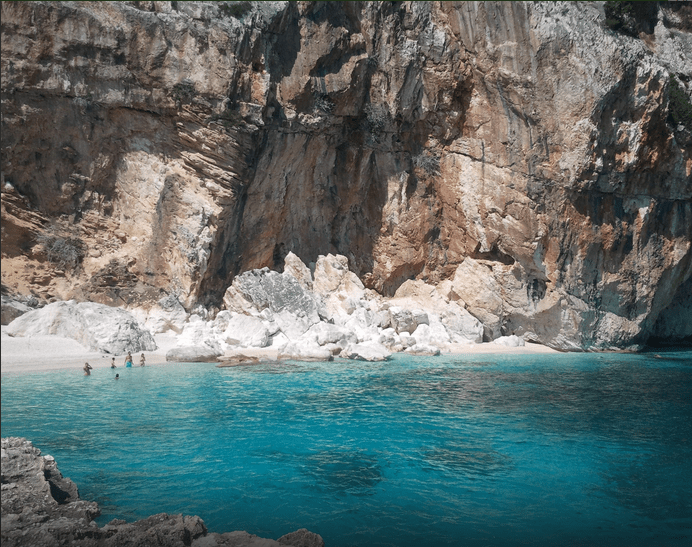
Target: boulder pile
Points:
(305, 313)
(325, 311)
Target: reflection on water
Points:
(466, 459)
(344, 472)
(478, 451)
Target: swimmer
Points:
(128, 360)
(113, 363)
(141, 360)
(87, 369)
(117, 376)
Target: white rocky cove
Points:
(304, 313)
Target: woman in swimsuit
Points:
(87, 369)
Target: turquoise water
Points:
(567, 449)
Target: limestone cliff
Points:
(525, 153)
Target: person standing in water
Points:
(113, 362)
(87, 369)
(128, 360)
(141, 360)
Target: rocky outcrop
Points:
(526, 152)
(95, 326)
(41, 508)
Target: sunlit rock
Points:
(95, 326)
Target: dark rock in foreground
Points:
(41, 508)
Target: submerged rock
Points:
(41, 508)
(193, 354)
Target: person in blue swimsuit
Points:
(128, 360)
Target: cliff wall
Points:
(525, 151)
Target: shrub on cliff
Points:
(631, 17)
(429, 164)
(183, 92)
(235, 9)
(679, 106)
(63, 251)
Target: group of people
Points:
(128, 363)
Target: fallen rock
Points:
(11, 309)
(327, 333)
(193, 354)
(368, 351)
(422, 349)
(305, 351)
(295, 267)
(510, 341)
(247, 331)
(95, 326)
(237, 361)
(280, 296)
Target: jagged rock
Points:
(512, 341)
(327, 333)
(367, 351)
(167, 315)
(403, 320)
(95, 326)
(11, 309)
(476, 285)
(295, 267)
(193, 354)
(461, 325)
(200, 333)
(433, 334)
(247, 331)
(422, 349)
(340, 288)
(305, 351)
(290, 305)
(302, 538)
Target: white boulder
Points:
(246, 331)
(193, 354)
(510, 341)
(423, 349)
(305, 351)
(95, 326)
(369, 351)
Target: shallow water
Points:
(567, 449)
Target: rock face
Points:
(95, 326)
(41, 508)
(525, 152)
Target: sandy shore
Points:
(44, 353)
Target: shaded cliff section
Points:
(524, 150)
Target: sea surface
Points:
(483, 450)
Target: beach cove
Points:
(454, 449)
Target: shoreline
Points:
(38, 353)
